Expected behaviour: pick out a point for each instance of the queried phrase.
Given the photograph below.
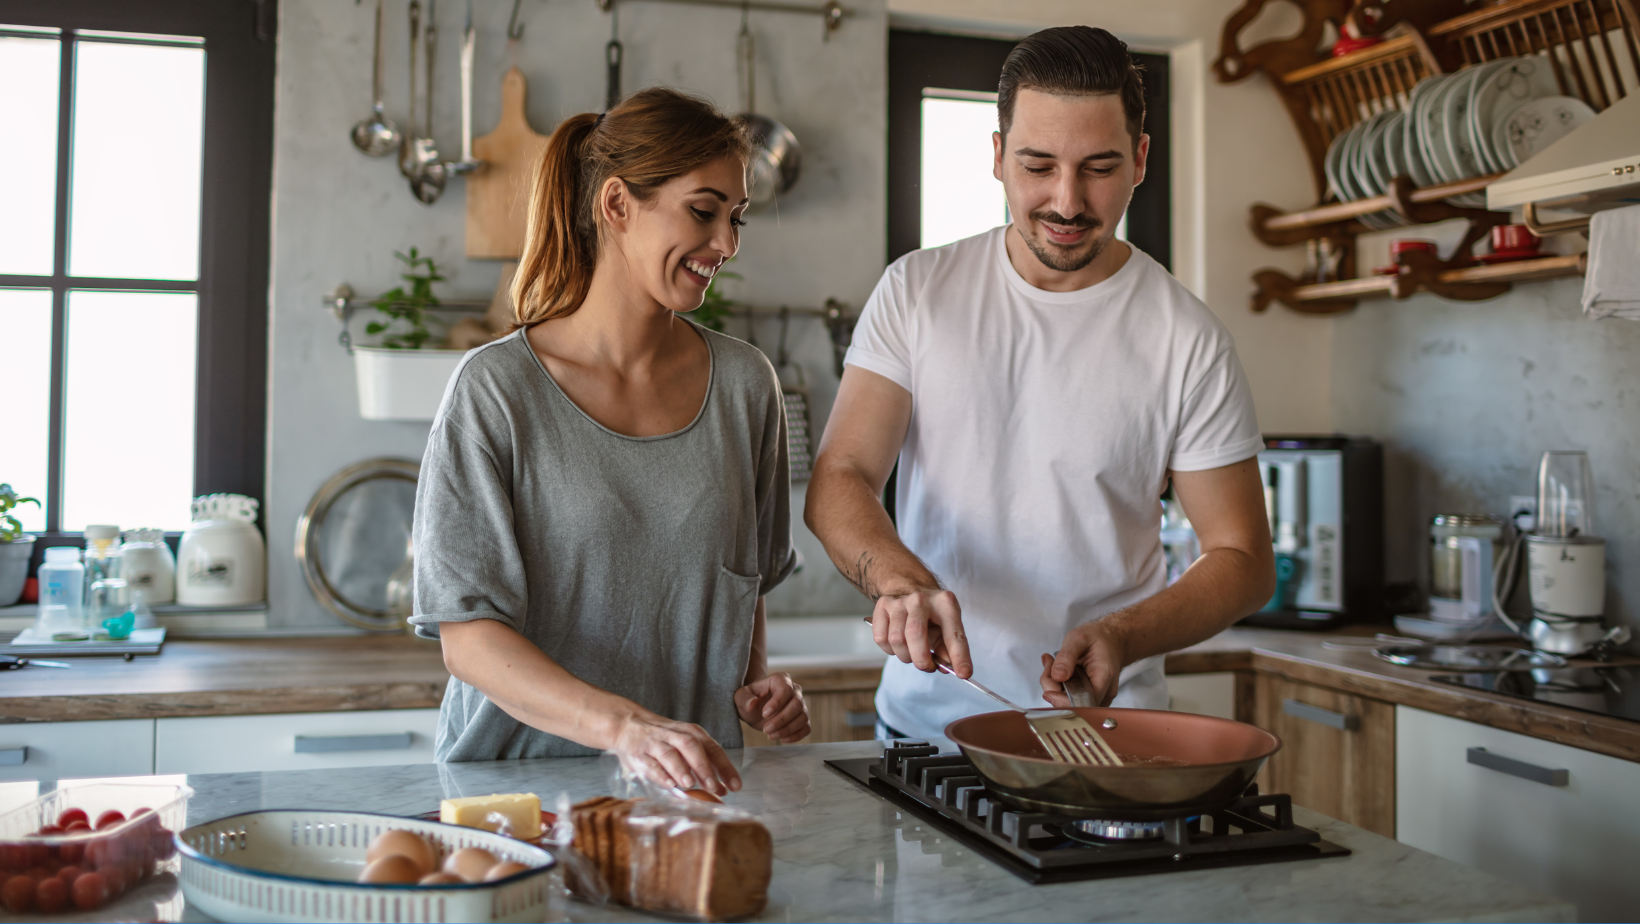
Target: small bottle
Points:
(61, 578)
(143, 617)
(102, 556)
(109, 599)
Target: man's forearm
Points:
(843, 511)
(1222, 586)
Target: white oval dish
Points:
(295, 866)
(1535, 125)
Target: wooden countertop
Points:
(233, 677)
(1301, 657)
(257, 676)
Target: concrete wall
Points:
(1467, 396)
(339, 216)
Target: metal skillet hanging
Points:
(777, 159)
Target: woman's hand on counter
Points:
(774, 705)
(674, 753)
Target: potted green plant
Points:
(403, 377)
(16, 546)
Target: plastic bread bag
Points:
(692, 858)
(582, 877)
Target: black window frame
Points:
(230, 404)
(919, 59)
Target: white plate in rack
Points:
(295, 866)
(1533, 126)
(1516, 81)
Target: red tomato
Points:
(115, 879)
(69, 816)
(109, 819)
(164, 847)
(71, 852)
(39, 872)
(79, 824)
(51, 895)
(50, 830)
(70, 873)
(105, 852)
(17, 894)
(13, 856)
(90, 891)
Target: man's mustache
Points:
(1075, 221)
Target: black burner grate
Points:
(945, 791)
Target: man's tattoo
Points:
(860, 576)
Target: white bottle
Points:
(222, 560)
(62, 578)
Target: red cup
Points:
(1514, 239)
(1346, 45)
(1410, 245)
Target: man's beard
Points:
(1062, 260)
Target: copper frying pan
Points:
(1220, 758)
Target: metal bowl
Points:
(1219, 759)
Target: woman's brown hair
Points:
(650, 138)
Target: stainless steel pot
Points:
(777, 159)
(1219, 758)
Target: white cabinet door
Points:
(1203, 694)
(299, 741)
(1558, 819)
(57, 750)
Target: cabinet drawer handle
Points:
(326, 744)
(14, 757)
(1316, 714)
(1481, 757)
(867, 719)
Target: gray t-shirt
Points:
(633, 562)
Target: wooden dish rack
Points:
(1588, 43)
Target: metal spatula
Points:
(1067, 736)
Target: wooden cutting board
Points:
(497, 196)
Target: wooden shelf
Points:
(1403, 197)
(1419, 272)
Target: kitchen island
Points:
(844, 854)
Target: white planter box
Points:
(402, 384)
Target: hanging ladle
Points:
(376, 135)
(429, 174)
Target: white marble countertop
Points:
(843, 854)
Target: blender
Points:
(1566, 561)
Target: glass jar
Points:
(1446, 556)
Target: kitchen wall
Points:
(339, 216)
(1467, 396)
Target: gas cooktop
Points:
(1613, 691)
(945, 791)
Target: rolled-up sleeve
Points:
(468, 565)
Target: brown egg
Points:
(503, 870)
(392, 870)
(404, 844)
(470, 863)
(441, 879)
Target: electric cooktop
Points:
(1613, 691)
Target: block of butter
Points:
(515, 814)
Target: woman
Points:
(604, 500)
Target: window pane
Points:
(25, 355)
(960, 197)
(139, 114)
(128, 455)
(28, 108)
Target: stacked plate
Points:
(1484, 119)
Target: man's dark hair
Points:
(1072, 61)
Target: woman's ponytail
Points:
(651, 137)
(555, 269)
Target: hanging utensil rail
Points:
(832, 12)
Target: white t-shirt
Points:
(1043, 426)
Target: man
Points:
(1040, 384)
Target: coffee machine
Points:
(1324, 496)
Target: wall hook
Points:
(515, 29)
